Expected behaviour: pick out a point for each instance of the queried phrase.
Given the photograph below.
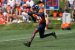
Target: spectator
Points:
(11, 3)
(66, 20)
(73, 15)
(24, 6)
(30, 3)
(9, 9)
(0, 4)
(18, 2)
(70, 3)
(23, 2)
(2, 19)
(55, 14)
(74, 5)
(9, 17)
(18, 9)
(5, 16)
(25, 16)
(4, 3)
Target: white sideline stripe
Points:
(15, 39)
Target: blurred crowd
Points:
(11, 10)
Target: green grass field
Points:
(13, 36)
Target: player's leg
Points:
(33, 34)
(31, 39)
(42, 31)
(53, 34)
(42, 35)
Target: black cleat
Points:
(27, 44)
(54, 35)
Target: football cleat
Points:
(27, 44)
(54, 35)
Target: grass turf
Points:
(13, 36)
(14, 39)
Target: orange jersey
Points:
(54, 14)
(25, 0)
(65, 25)
(2, 20)
(18, 8)
(60, 14)
(1, 16)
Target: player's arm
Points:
(41, 20)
